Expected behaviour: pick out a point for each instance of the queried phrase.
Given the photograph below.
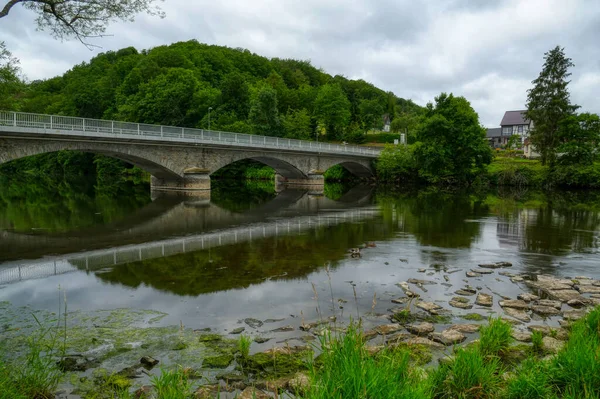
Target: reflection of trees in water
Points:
(241, 195)
(434, 217)
(553, 223)
(241, 265)
(34, 194)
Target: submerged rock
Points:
(284, 329)
(217, 362)
(473, 274)
(148, 361)
(422, 328)
(238, 330)
(482, 271)
(496, 265)
(254, 323)
(466, 292)
(421, 282)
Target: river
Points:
(282, 258)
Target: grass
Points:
(495, 338)
(244, 345)
(172, 384)
(537, 345)
(347, 371)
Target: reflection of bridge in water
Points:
(100, 259)
(169, 217)
(147, 233)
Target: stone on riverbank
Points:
(422, 341)
(518, 314)
(465, 328)
(545, 310)
(514, 304)
(430, 307)
(522, 336)
(588, 289)
(460, 302)
(484, 300)
(423, 328)
(217, 362)
(448, 337)
(473, 274)
(528, 297)
(549, 302)
(496, 265)
(388, 329)
(148, 361)
(253, 393)
(552, 345)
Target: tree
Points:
(578, 139)
(82, 19)
(332, 108)
(10, 84)
(297, 125)
(264, 115)
(452, 144)
(371, 113)
(548, 103)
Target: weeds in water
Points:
(172, 384)
(495, 338)
(244, 345)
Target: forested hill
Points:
(176, 85)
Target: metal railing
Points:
(100, 259)
(67, 125)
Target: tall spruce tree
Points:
(548, 104)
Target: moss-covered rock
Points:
(218, 362)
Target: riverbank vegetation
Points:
(494, 366)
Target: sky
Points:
(486, 50)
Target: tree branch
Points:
(8, 6)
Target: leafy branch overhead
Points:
(82, 19)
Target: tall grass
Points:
(495, 338)
(575, 371)
(346, 370)
(531, 381)
(468, 376)
(244, 345)
(172, 384)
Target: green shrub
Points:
(383, 138)
(396, 163)
(577, 176)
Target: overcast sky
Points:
(486, 50)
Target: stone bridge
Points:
(178, 158)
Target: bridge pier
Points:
(194, 179)
(314, 182)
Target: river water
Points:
(251, 252)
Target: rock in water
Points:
(514, 303)
(449, 337)
(148, 361)
(460, 302)
(484, 300)
(254, 323)
(420, 328)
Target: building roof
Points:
(514, 118)
(494, 132)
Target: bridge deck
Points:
(24, 124)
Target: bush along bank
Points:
(530, 348)
(398, 165)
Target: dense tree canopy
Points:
(10, 83)
(452, 144)
(176, 85)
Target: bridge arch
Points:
(281, 167)
(158, 167)
(357, 169)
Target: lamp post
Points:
(209, 108)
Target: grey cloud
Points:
(488, 51)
